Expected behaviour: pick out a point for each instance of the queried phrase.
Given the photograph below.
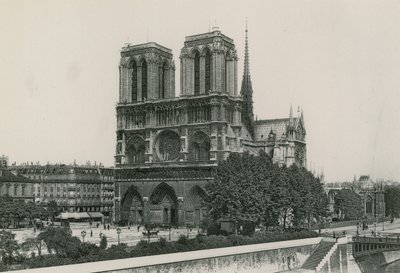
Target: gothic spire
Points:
(246, 55)
(247, 91)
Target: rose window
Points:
(168, 148)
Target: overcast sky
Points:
(338, 60)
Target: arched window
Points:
(197, 73)
(135, 151)
(207, 70)
(134, 81)
(199, 147)
(144, 80)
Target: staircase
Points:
(318, 255)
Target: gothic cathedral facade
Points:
(169, 146)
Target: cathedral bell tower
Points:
(147, 72)
(208, 64)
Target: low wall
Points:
(268, 257)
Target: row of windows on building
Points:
(36, 190)
(56, 171)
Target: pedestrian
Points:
(97, 225)
(138, 228)
(105, 227)
(129, 227)
(108, 227)
(100, 234)
(91, 233)
(334, 235)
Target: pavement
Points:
(130, 236)
(380, 228)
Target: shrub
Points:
(103, 242)
(162, 241)
(183, 240)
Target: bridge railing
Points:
(386, 239)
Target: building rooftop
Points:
(130, 47)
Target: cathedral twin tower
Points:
(167, 146)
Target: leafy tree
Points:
(309, 199)
(33, 242)
(348, 203)
(52, 209)
(392, 201)
(237, 191)
(8, 247)
(61, 241)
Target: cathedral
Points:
(168, 146)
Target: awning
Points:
(96, 214)
(73, 215)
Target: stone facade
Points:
(372, 196)
(75, 188)
(15, 186)
(167, 147)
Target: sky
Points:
(338, 60)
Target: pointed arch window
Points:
(207, 70)
(144, 80)
(134, 81)
(197, 73)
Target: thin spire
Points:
(247, 91)
(246, 54)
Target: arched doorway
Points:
(164, 205)
(195, 206)
(132, 206)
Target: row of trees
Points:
(13, 212)
(251, 190)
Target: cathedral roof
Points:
(277, 126)
(244, 134)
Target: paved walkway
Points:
(129, 236)
(381, 228)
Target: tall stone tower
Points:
(168, 147)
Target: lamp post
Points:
(118, 232)
(83, 234)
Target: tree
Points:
(392, 201)
(61, 241)
(33, 242)
(52, 209)
(8, 247)
(348, 203)
(309, 199)
(238, 190)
